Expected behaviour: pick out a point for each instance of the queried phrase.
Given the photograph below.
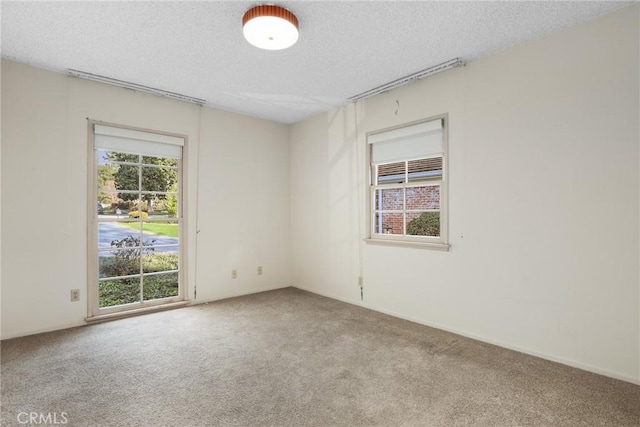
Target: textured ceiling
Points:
(345, 48)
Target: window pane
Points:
(161, 259)
(391, 173)
(389, 223)
(423, 198)
(389, 199)
(126, 178)
(117, 183)
(106, 157)
(117, 209)
(124, 256)
(112, 234)
(161, 205)
(163, 161)
(160, 232)
(160, 286)
(106, 178)
(107, 198)
(423, 224)
(158, 178)
(115, 263)
(425, 169)
(136, 210)
(119, 291)
(103, 209)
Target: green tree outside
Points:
(427, 224)
(153, 179)
(172, 202)
(105, 173)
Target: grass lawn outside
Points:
(158, 228)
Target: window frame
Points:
(428, 242)
(94, 311)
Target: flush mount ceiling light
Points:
(270, 27)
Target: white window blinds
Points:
(412, 142)
(137, 142)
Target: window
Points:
(136, 261)
(408, 187)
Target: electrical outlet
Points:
(75, 295)
(259, 270)
(360, 281)
(234, 274)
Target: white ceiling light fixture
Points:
(270, 27)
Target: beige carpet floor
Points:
(291, 358)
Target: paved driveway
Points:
(109, 231)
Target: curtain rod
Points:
(452, 63)
(135, 86)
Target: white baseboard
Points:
(43, 330)
(239, 294)
(85, 323)
(546, 356)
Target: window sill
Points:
(409, 244)
(129, 313)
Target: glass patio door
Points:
(137, 256)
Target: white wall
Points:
(243, 205)
(544, 200)
(44, 190)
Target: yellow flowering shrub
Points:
(136, 214)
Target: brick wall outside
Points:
(418, 198)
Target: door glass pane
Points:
(158, 178)
(161, 206)
(161, 259)
(127, 178)
(107, 204)
(118, 182)
(158, 286)
(115, 263)
(115, 234)
(423, 224)
(124, 258)
(119, 291)
(112, 157)
(163, 161)
(160, 232)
